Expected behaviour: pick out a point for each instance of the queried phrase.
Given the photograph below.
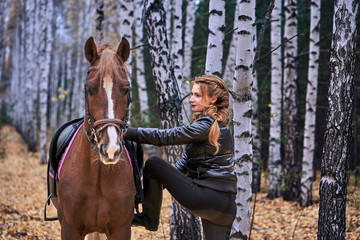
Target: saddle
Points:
(58, 145)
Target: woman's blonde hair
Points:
(212, 86)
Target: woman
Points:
(203, 180)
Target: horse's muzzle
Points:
(110, 154)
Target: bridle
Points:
(97, 126)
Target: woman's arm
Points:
(196, 132)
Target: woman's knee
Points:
(150, 165)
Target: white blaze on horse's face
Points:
(113, 145)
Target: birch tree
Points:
(228, 75)
(168, 14)
(311, 97)
(242, 116)
(126, 25)
(188, 44)
(139, 60)
(99, 21)
(255, 133)
(189, 38)
(46, 8)
(275, 98)
(182, 224)
(4, 9)
(29, 126)
(291, 158)
(214, 53)
(76, 107)
(338, 134)
(176, 53)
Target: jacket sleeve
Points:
(196, 132)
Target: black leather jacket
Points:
(198, 161)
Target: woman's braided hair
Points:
(212, 86)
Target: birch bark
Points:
(126, 26)
(274, 189)
(214, 53)
(45, 57)
(229, 70)
(338, 133)
(292, 161)
(188, 44)
(256, 144)
(29, 124)
(184, 226)
(176, 53)
(4, 10)
(139, 59)
(311, 97)
(242, 116)
(99, 21)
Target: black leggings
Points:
(217, 209)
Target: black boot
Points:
(152, 206)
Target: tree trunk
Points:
(139, 59)
(274, 189)
(4, 10)
(29, 125)
(188, 44)
(311, 97)
(255, 131)
(186, 226)
(242, 116)
(45, 58)
(99, 21)
(338, 134)
(176, 52)
(126, 26)
(168, 13)
(292, 161)
(214, 53)
(16, 63)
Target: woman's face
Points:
(199, 100)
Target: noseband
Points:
(97, 126)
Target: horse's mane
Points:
(110, 63)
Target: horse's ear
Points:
(124, 49)
(91, 50)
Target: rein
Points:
(120, 125)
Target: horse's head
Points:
(107, 98)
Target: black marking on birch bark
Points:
(244, 173)
(241, 190)
(244, 32)
(245, 158)
(244, 67)
(211, 32)
(242, 96)
(222, 28)
(212, 45)
(214, 11)
(217, 73)
(245, 134)
(244, 18)
(248, 113)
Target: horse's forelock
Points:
(111, 64)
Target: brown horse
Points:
(95, 191)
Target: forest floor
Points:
(23, 195)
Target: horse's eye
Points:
(125, 91)
(91, 91)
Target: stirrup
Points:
(48, 203)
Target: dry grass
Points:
(23, 194)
